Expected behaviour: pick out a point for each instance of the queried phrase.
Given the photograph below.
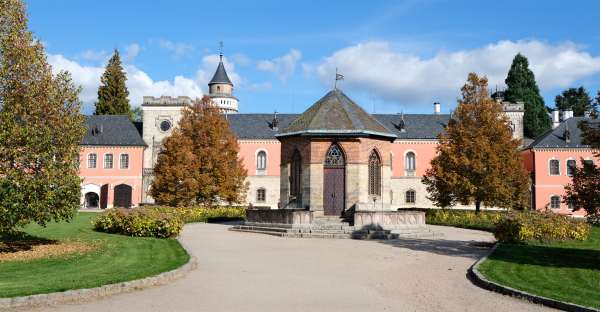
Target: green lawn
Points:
(567, 271)
(117, 259)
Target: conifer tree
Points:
(112, 93)
(577, 100)
(521, 87)
(199, 163)
(478, 160)
(40, 129)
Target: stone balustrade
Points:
(279, 216)
(389, 219)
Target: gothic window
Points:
(124, 161)
(554, 167)
(296, 176)
(374, 174)
(261, 195)
(334, 157)
(108, 161)
(261, 160)
(411, 197)
(571, 163)
(410, 163)
(92, 160)
(555, 202)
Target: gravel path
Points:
(253, 272)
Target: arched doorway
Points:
(91, 200)
(334, 181)
(122, 196)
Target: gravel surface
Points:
(254, 272)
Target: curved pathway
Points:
(253, 272)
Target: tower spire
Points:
(221, 51)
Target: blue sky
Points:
(396, 55)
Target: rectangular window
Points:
(108, 161)
(261, 195)
(554, 167)
(555, 202)
(410, 197)
(124, 161)
(571, 163)
(92, 160)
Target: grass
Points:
(116, 258)
(568, 271)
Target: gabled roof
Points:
(555, 138)
(336, 114)
(220, 75)
(111, 130)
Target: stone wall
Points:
(271, 186)
(389, 219)
(279, 216)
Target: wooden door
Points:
(334, 191)
(103, 196)
(122, 196)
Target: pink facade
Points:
(250, 151)
(117, 186)
(423, 150)
(548, 184)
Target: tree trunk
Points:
(477, 206)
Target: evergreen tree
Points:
(478, 161)
(521, 86)
(575, 99)
(40, 129)
(112, 93)
(199, 163)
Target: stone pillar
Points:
(314, 186)
(352, 185)
(284, 184)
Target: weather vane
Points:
(337, 77)
(221, 50)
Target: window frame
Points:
(112, 161)
(557, 166)
(374, 171)
(95, 160)
(261, 192)
(261, 169)
(410, 169)
(567, 167)
(552, 204)
(413, 197)
(121, 161)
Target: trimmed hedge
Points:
(138, 222)
(484, 220)
(203, 214)
(539, 226)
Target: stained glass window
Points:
(334, 157)
(374, 174)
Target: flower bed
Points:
(519, 227)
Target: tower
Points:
(220, 90)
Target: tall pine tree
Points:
(478, 161)
(521, 86)
(112, 93)
(41, 129)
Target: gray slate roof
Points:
(336, 114)
(417, 126)
(111, 130)
(555, 138)
(220, 75)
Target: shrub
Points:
(468, 219)
(203, 214)
(539, 226)
(139, 222)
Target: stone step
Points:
(258, 232)
(261, 228)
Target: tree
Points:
(521, 86)
(137, 114)
(575, 99)
(40, 129)
(112, 93)
(199, 163)
(478, 160)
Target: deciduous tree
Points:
(113, 93)
(199, 163)
(521, 86)
(40, 129)
(478, 160)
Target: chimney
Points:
(436, 108)
(567, 114)
(587, 114)
(555, 118)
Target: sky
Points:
(396, 56)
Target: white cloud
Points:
(131, 51)
(406, 78)
(208, 67)
(139, 83)
(95, 56)
(283, 67)
(178, 49)
(241, 59)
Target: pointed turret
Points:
(220, 89)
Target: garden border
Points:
(100, 291)
(479, 280)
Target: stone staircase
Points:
(333, 227)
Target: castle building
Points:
(333, 157)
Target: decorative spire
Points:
(220, 51)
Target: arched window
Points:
(555, 202)
(554, 167)
(410, 163)
(374, 174)
(334, 157)
(411, 197)
(92, 158)
(218, 89)
(571, 163)
(295, 179)
(108, 161)
(261, 160)
(261, 195)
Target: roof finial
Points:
(221, 51)
(337, 77)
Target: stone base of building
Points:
(389, 220)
